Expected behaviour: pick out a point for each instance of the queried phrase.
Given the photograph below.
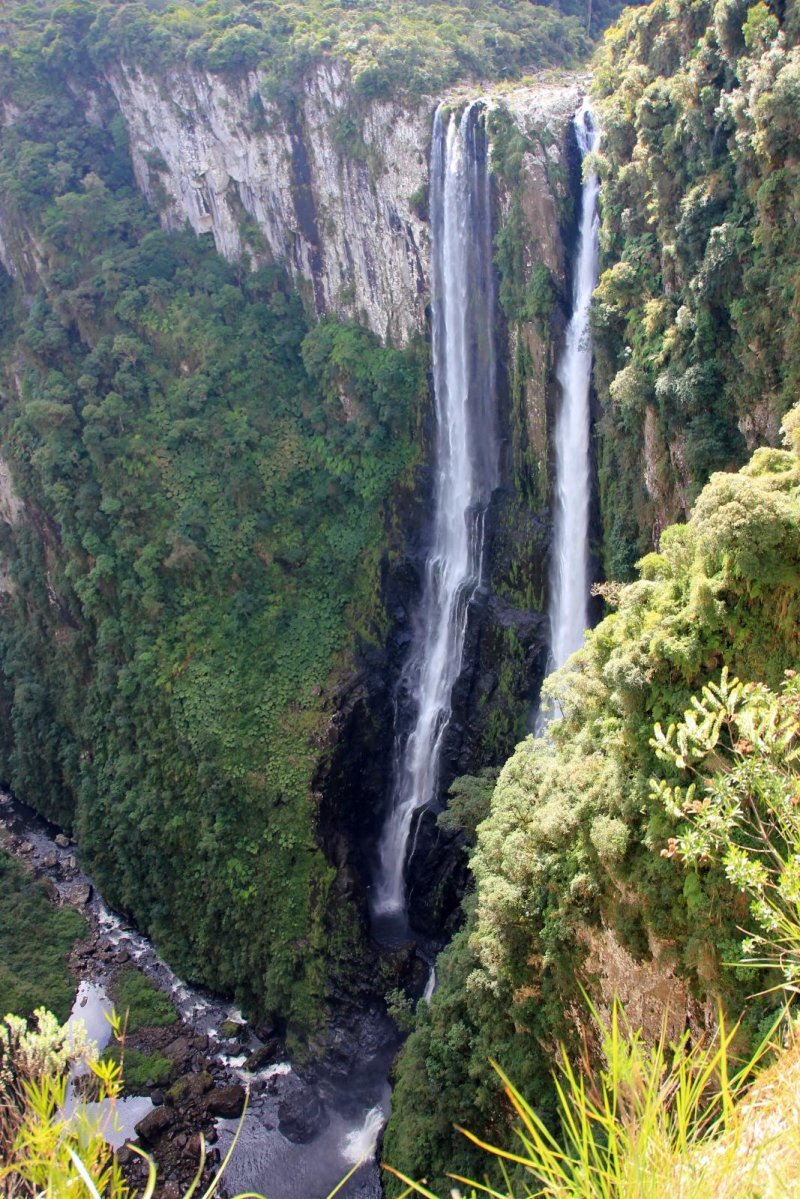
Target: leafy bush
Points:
(35, 939)
(697, 350)
(573, 840)
(139, 1002)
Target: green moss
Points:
(139, 1003)
(35, 939)
(140, 1068)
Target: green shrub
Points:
(35, 939)
(139, 1002)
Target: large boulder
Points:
(301, 1114)
(155, 1124)
(227, 1102)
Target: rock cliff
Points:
(317, 185)
(332, 187)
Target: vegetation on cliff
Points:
(573, 843)
(208, 482)
(393, 48)
(695, 318)
(35, 939)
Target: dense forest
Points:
(213, 505)
(697, 355)
(207, 521)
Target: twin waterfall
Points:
(569, 576)
(467, 471)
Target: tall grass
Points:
(658, 1122)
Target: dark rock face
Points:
(437, 873)
(155, 1124)
(301, 1115)
(227, 1101)
(273, 1051)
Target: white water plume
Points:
(569, 580)
(466, 469)
(359, 1145)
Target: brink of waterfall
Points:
(466, 473)
(569, 573)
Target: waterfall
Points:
(569, 577)
(466, 472)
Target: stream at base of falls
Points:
(333, 1118)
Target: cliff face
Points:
(202, 465)
(317, 185)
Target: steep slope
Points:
(571, 887)
(213, 508)
(695, 320)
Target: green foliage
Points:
(391, 47)
(209, 483)
(139, 1068)
(740, 746)
(35, 939)
(574, 837)
(627, 1130)
(139, 1002)
(400, 1008)
(40, 1151)
(468, 803)
(695, 321)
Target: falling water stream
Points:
(466, 472)
(569, 581)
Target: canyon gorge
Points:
(349, 375)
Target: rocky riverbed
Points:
(301, 1131)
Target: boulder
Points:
(62, 841)
(227, 1102)
(155, 1124)
(178, 1049)
(301, 1115)
(79, 895)
(273, 1051)
(232, 1029)
(190, 1086)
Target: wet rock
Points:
(189, 1086)
(157, 1098)
(301, 1115)
(123, 956)
(179, 1048)
(155, 1124)
(125, 1155)
(267, 1028)
(265, 1055)
(232, 1029)
(227, 1101)
(192, 1147)
(79, 895)
(200, 1042)
(61, 841)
